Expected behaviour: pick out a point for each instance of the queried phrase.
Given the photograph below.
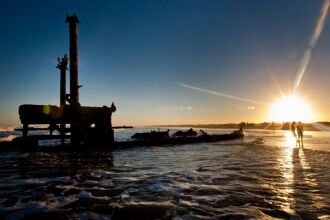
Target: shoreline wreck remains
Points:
(88, 125)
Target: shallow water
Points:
(261, 176)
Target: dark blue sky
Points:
(135, 53)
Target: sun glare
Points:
(290, 108)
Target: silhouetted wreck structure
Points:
(87, 124)
(87, 127)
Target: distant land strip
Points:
(315, 126)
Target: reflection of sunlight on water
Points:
(318, 200)
(295, 171)
(303, 162)
(286, 168)
(290, 140)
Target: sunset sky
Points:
(140, 54)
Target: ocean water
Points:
(262, 176)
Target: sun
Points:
(290, 108)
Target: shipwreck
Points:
(86, 127)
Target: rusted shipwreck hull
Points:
(20, 144)
(181, 140)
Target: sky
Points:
(140, 53)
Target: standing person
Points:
(300, 131)
(293, 130)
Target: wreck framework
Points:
(87, 124)
(90, 128)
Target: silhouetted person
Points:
(300, 132)
(293, 130)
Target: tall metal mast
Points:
(74, 88)
(73, 29)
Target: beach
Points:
(262, 176)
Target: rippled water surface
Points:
(260, 176)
